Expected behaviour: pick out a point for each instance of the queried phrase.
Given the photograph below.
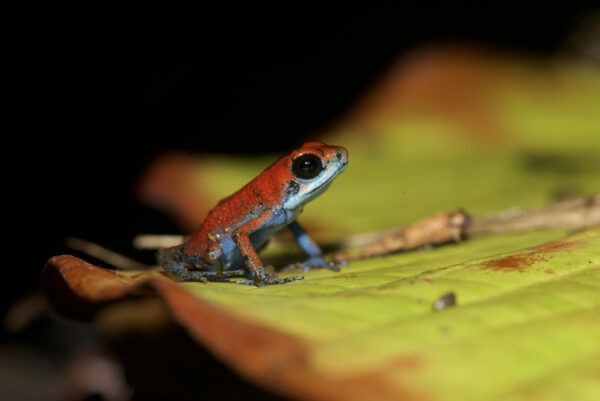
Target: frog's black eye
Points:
(307, 166)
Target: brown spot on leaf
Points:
(390, 286)
(515, 263)
(526, 258)
(555, 246)
(550, 271)
(436, 270)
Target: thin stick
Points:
(437, 229)
(156, 241)
(104, 254)
(574, 214)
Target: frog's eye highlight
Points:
(307, 166)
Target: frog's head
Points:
(312, 169)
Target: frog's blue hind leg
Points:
(310, 247)
(174, 261)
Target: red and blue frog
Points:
(228, 241)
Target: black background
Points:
(95, 90)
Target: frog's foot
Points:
(204, 276)
(270, 281)
(314, 262)
(263, 278)
(183, 268)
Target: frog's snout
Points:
(341, 155)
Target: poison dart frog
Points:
(228, 241)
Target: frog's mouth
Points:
(321, 188)
(305, 197)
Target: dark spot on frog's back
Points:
(338, 155)
(256, 192)
(292, 188)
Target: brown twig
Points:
(437, 229)
(99, 252)
(156, 241)
(575, 214)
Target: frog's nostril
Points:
(341, 155)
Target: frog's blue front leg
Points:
(310, 247)
(176, 264)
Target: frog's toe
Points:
(186, 275)
(292, 278)
(229, 273)
(332, 266)
(204, 276)
(269, 281)
(245, 282)
(312, 263)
